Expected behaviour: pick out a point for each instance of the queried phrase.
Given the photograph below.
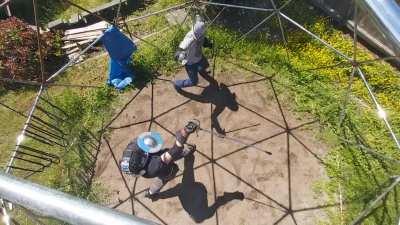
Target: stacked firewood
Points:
(75, 40)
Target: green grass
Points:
(70, 10)
(10, 123)
(87, 107)
(319, 93)
(49, 10)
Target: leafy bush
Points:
(19, 53)
(48, 10)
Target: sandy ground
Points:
(277, 188)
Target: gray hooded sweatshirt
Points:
(192, 44)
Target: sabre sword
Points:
(238, 141)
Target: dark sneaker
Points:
(229, 196)
(152, 197)
(177, 88)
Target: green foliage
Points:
(19, 52)
(10, 123)
(48, 10)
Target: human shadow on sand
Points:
(217, 94)
(193, 195)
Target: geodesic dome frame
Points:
(274, 12)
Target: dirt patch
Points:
(277, 188)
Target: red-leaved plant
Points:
(19, 52)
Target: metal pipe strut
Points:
(378, 107)
(56, 204)
(373, 204)
(6, 2)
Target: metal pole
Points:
(360, 218)
(378, 59)
(216, 17)
(276, 11)
(257, 26)
(55, 204)
(378, 107)
(355, 32)
(8, 10)
(370, 151)
(6, 5)
(21, 135)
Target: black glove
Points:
(176, 56)
(208, 43)
(192, 126)
(179, 55)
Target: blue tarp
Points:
(120, 49)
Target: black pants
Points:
(160, 171)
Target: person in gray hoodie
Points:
(190, 54)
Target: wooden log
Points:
(72, 50)
(91, 38)
(73, 55)
(82, 35)
(94, 27)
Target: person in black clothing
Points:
(144, 156)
